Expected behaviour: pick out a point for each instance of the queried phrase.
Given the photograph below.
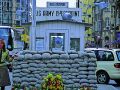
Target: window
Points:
(89, 15)
(104, 55)
(89, 6)
(39, 44)
(18, 1)
(84, 13)
(75, 44)
(18, 23)
(107, 21)
(83, 20)
(118, 55)
(7, 6)
(57, 41)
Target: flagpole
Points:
(33, 29)
(78, 5)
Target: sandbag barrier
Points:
(77, 69)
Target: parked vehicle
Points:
(108, 64)
(7, 33)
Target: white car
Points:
(108, 64)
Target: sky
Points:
(42, 3)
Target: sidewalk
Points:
(106, 87)
(100, 87)
(9, 87)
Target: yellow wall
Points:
(86, 6)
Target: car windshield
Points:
(4, 32)
(118, 55)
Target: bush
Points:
(52, 82)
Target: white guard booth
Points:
(57, 34)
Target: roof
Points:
(89, 49)
(96, 49)
(58, 20)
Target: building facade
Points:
(14, 12)
(116, 24)
(102, 22)
(105, 17)
(22, 12)
(87, 17)
(106, 21)
(7, 12)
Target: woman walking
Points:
(4, 58)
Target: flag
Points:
(102, 4)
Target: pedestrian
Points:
(4, 58)
(25, 39)
(106, 46)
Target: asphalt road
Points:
(113, 83)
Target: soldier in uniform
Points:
(4, 58)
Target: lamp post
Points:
(33, 30)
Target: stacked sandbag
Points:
(83, 71)
(91, 71)
(77, 70)
(70, 76)
(90, 58)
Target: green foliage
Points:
(52, 82)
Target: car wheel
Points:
(103, 78)
(117, 81)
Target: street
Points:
(112, 86)
(112, 82)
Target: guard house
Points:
(56, 31)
